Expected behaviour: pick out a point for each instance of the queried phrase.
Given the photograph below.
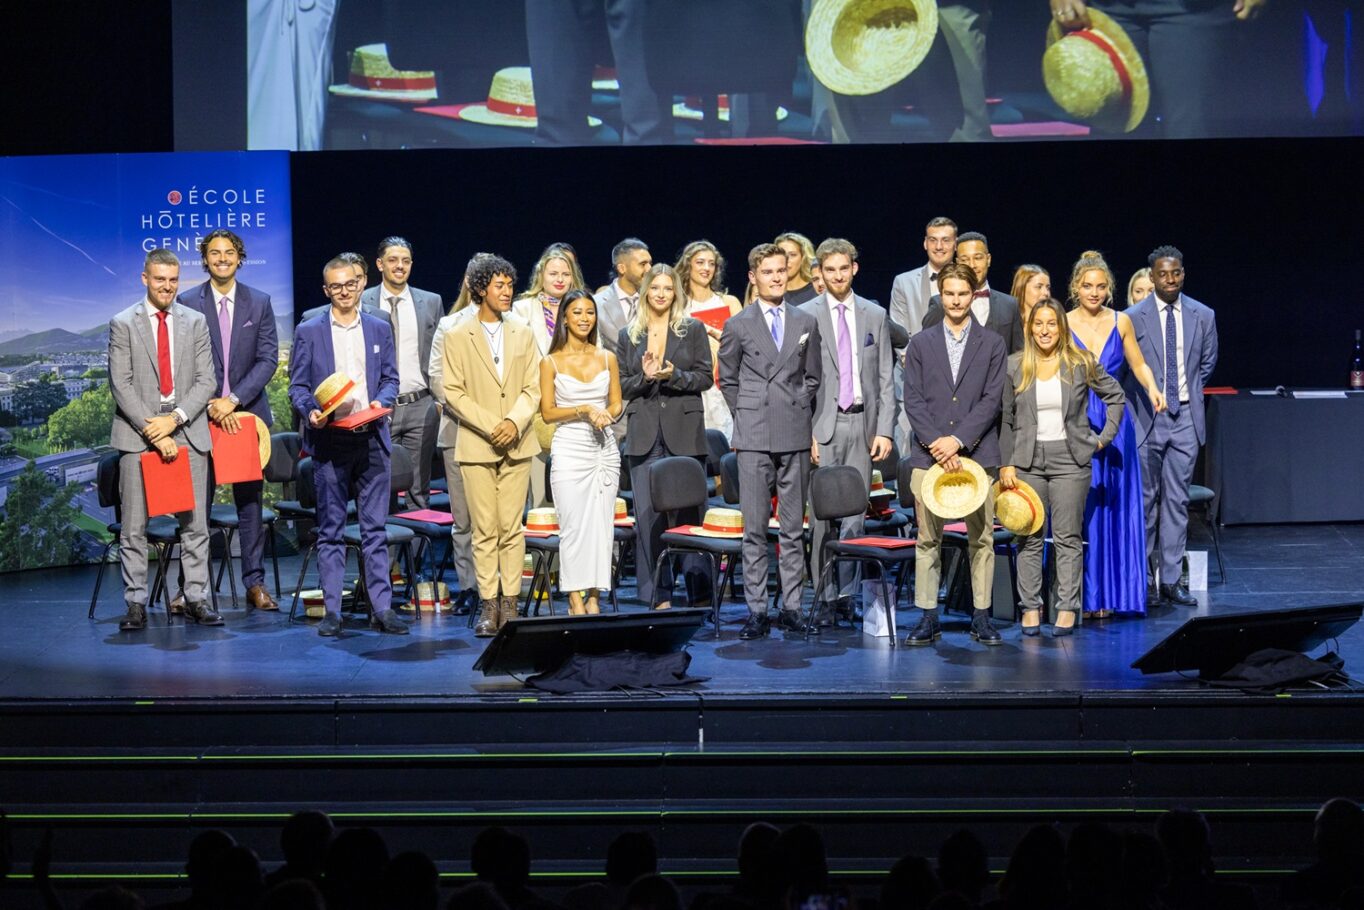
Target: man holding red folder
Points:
(161, 375)
(350, 461)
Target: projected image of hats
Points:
(722, 523)
(954, 494)
(860, 47)
(332, 391)
(1019, 510)
(373, 77)
(511, 101)
(1096, 75)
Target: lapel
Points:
(474, 328)
(143, 330)
(669, 345)
(182, 369)
(760, 327)
(210, 314)
(1191, 325)
(326, 332)
(866, 315)
(826, 328)
(372, 365)
(241, 307)
(1068, 391)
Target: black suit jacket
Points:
(1003, 320)
(674, 405)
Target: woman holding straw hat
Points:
(1046, 444)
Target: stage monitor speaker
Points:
(1214, 644)
(536, 644)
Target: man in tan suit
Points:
(491, 381)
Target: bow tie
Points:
(979, 294)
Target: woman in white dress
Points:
(702, 270)
(580, 395)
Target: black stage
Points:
(124, 743)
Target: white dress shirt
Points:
(628, 302)
(150, 310)
(1179, 346)
(411, 376)
(853, 339)
(348, 349)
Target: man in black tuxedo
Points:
(997, 311)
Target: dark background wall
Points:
(1270, 226)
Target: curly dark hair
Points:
(481, 271)
(1165, 252)
(228, 235)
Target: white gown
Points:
(584, 476)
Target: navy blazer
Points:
(674, 406)
(313, 360)
(255, 344)
(1200, 357)
(967, 409)
(1004, 319)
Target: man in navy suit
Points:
(954, 386)
(344, 462)
(993, 309)
(1178, 337)
(241, 330)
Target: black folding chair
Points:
(678, 483)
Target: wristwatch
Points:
(232, 397)
(179, 421)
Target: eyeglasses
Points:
(351, 285)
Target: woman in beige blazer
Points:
(1046, 440)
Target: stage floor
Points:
(50, 650)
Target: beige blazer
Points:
(479, 400)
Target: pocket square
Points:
(869, 342)
(247, 324)
(376, 349)
(804, 338)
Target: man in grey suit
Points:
(1178, 337)
(413, 313)
(909, 297)
(769, 373)
(855, 405)
(619, 300)
(996, 310)
(161, 374)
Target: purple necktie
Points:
(225, 331)
(845, 363)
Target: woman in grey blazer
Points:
(1046, 440)
(665, 365)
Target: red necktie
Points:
(979, 294)
(163, 364)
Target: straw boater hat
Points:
(722, 523)
(860, 47)
(879, 496)
(332, 391)
(1095, 74)
(955, 494)
(263, 442)
(546, 520)
(511, 101)
(1019, 510)
(373, 77)
(622, 515)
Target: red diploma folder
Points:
(715, 317)
(168, 485)
(888, 543)
(431, 515)
(360, 418)
(236, 456)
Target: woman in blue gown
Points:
(1115, 528)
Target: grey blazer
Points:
(1200, 357)
(909, 297)
(673, 407)
(428, 307)
(135, 382)
(1018, 433)
(770, 392)
(876, 368)
(610, 320)
(1004, 320)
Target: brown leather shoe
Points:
(487, 619)
(177, 605)
(259, 598)
(506, 610)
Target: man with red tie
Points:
(241, 331)
(161, 376)
(993, 309)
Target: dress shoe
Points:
(1034, 629)
(388, 621)
(982, 630)
(757, 626)
(790, 621)
(1152, 596)
(330, 626)
(926, 632)
(487, 619)
(1177, 594)
(1060, 631)
(135, 620)
(203, 614)
(177, 604)
(507, 610)
(465, 603)
(260, 599)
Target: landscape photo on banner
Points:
(73, 234)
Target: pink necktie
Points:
(225, 332)
(845, 363)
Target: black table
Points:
(1277, 460)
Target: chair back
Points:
(106, 480)
(307, 490)
(675, 483)
(837, 491)
(903, 486)
(729, 478)
(717, 447)
(401, 474)
(283, 464)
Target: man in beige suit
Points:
(491, 381)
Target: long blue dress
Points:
(1115, 527)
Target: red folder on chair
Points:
(236, 456)
(168, 485)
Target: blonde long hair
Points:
(1090, 260)
(807, 251)
(537, 274)
(1072, 356)
(677, 314)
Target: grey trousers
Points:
(847, 447)
(132, 540)
(414, 428)
(461, 540)
(1167, 466)
(758, 471)
(1063, 487)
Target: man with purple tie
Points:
(360, 346)
(241, 330)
